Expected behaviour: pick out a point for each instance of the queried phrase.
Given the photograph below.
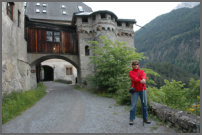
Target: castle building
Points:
(62, 30)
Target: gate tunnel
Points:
(48, 73)
(36, 66)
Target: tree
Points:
(113, 61)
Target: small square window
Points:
(52, 36)
(38, 4)
(80, 8)
(119, 23)
(37, 11)
(85, 19)
(44, 5)
(68, 70)
(127, 24)
(44, 11)
(103, 15)
(63, 6)
(64, 12)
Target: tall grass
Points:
(15, 103)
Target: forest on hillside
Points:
(172, 38)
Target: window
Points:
(38, 4)
(87, 51)
(63, 6)
(44, 11)
(56, 36)
(103, 15)
(10, 6)
(19, 20)
(68, 70)
(44, 5)
(64, 12)
(119, 24)
(52, 36)
(37, 11)
(80, 8)
(127, 24)
(85, 19)
(94, 17)
(49, 36)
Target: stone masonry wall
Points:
(189, 123)
(15, 68)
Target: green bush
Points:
(15, 103)
(113, 62)
(174, 95)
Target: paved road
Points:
(66, 110)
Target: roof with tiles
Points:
(60, 11)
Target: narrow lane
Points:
(66, 110)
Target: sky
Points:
(142, 12)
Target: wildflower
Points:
(191, 109)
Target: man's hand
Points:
(143, 81)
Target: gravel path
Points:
(66, 110)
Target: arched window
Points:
(9, 8)
(87, 51)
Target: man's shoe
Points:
(147, 122)
(131, 122)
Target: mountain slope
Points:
(173, 38)
(187, 5)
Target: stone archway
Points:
(36, 59)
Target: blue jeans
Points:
(134, 98)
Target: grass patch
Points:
(104, 94)
(78, 87)
(15, 103)
(110, 106)
(154, 128)
(63, 81)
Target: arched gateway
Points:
(36, 59)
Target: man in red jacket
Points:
(138, 81)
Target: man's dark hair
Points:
(135, 62)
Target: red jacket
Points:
(135, 81)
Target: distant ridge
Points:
(173, 38)
(187, 5)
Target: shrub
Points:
(113, 61)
